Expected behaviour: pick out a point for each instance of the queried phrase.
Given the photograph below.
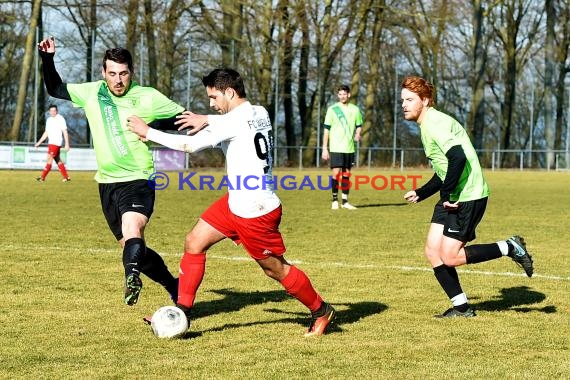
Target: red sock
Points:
(62, 170)
(297, 284)
(192, 267)
(46, 171)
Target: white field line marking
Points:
(402, 268)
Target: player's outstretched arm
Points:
(183, 143)
(168, 124)
(54, 85)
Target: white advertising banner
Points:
(25, 157)
(28, 157)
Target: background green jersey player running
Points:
(124, 162)
(463, 197)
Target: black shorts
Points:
(341, 160)
(461, 223)
(118, 198)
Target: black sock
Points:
(153, 266)
(453, 273)
(482, 252)
(334, 189)
(448, 279)
(132, 255)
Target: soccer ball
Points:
(169, 322)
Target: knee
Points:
(276, 270)
(449, 259)
(194, 243)
(271, 273)
(190, 244)
(431, 253)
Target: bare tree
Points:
(25, 73)
(475, 124)
(509, 20)
(132, 26)
(562, 56)
(549, 80)
(304, 49)
(230, 33)
(331, 30)
(373, 16)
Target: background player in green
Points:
(124, 162)
(343, 123)
(463, 197)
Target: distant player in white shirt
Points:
(251, 212)
(56, 133)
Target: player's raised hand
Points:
(47, 45)
(138, 126)
(191, 120)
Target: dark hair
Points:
(52, 106)
(119, 55)
(222, 79)
(420, 86)
(343, 87)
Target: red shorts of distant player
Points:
(260, 236)
(53, 150)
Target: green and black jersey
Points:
(440, 132)
(120, 155)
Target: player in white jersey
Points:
(251, 212)
(56, 134)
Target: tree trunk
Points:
(370, 96)
(151, 44)
(549, 49)
(131, 28)
(25, 74)
(476, 117)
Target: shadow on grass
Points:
(380, 205)
(514, 299)
(234, 301)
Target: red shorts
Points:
(53, 150)
(260, 236)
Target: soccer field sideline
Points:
(402, 268)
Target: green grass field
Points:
(62, 315)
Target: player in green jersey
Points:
(463, 197)
(124, 162)
(342, 126)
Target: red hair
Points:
(421, 87)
